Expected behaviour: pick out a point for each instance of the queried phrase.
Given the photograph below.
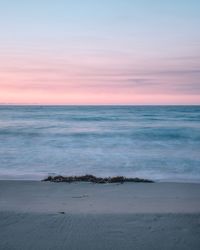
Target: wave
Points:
(146, 142)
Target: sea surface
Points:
(155, 142)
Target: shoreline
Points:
(154, 181)
(39, 178)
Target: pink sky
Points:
(88, 80)
(99, 52)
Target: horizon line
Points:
(34, 104)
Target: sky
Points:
(81, 52)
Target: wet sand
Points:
(43, 215)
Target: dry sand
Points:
(40, 215)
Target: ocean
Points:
(161, 143)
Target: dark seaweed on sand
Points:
(94, 179)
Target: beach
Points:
(100, 125)
(44, 215)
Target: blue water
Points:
(156, 142)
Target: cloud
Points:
(71, 75)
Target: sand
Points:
(42, 215)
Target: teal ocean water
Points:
(157, 142)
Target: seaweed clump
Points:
(94, 179)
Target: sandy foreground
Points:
(43, 215)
